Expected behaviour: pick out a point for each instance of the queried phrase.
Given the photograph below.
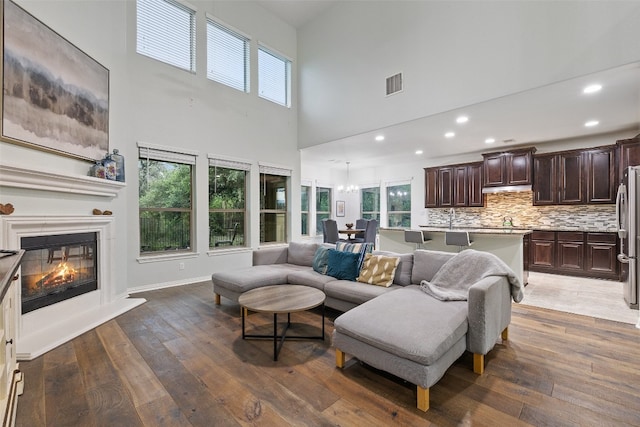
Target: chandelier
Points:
(349, 188)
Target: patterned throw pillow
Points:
(378, 270)
(343, 265)
(321, 260)
(356, 248)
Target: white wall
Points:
(451, 53)
(160, 104)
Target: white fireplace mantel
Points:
(20, 177)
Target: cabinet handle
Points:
(16, 277)
(10, 341)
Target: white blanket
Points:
(458, 274)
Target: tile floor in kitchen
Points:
(590, 297)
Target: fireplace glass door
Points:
(57, 267)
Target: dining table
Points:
(351, 231)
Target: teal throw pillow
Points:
(321, 260)
(343, 265)
(356, 248)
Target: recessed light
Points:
(592, 88)
(462, 119)
(380, 138)
(418, 152)
(591, 123)
(449, 135)
(489, 140)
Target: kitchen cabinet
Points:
(542, 251)
(454, 186)
(575, 177)
(601, 256)
(575, 253)
(508, 168)
(11, 381)
(570, 251)
(628, 154)
(431, 187)
(600, 172)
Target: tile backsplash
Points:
(519, 206)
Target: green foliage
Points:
(227, 188)
(164, 184)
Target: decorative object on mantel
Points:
(6, 209)
(99, 212)
(119, 159)
(57, 103)
(98, 170)
(109, 167)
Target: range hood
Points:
(506, 189)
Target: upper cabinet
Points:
(575, 177)
(508, 168)
(454, 186)
(628, 154)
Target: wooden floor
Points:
(178, 360)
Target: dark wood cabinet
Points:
(545, 183)
(628, 154)
(431, 187)
(600, 166)
(542, 251)
(601, 257)
(570, 251)
(445, 186)
(460, 186)
(454, 186)
(508, 168)
(576, 253)
(474, 178)
(575, 177)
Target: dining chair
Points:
(330, 231)
(361, 224)
(371, 230)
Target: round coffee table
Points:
(279, 299)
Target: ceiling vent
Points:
(394, 84)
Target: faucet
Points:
(452, 216)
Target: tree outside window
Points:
(323, 207)
(399, 205)
(370, 203)
(227, 212)
(165, 192)
(305, 195)
(273, 208)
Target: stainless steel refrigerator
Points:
(628, 225)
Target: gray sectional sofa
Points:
(400, 329)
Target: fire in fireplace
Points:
(57, 267)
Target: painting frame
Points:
(54, 103)
(340, 208)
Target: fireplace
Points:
(57, 267)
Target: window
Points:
(165, 199)
(323, 207)
(227, 203)
(273, 204)
(370, 203)
(167, 32)
(305, 195)
(274, 77)
(227, 56)
(399, 205)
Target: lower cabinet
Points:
(575, 253)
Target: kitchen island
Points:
(506, 243)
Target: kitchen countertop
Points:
(513, 230)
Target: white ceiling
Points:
(549, 113)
